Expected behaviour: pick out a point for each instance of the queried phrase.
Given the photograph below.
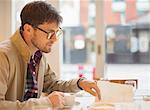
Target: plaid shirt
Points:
(31, 88)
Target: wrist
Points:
(78, 83)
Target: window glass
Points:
(79, 38)
(127, 32)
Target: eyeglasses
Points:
(50, 34)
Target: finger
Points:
(96, 88)
(61, 94)
(99, 96)
(61, 105)
(92, 92)
(62, 101)
(98, 93)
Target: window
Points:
(79, 55)
(127, 40)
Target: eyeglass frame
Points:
(51, 33)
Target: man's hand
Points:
(90, 87)
(57, 99)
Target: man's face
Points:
(41, 40)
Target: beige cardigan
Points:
(14, 56)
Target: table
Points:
(84, 103)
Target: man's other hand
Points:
(57, 99)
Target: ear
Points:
(28, 29)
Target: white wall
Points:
(5, 19)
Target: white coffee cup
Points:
(69, 99)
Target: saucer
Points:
(66, 107)
(102, 106)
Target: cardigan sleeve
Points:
(51, 83)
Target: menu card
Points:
(115, 92)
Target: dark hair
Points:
(39, 12)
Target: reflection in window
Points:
(127, 32)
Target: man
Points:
(24, 72)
